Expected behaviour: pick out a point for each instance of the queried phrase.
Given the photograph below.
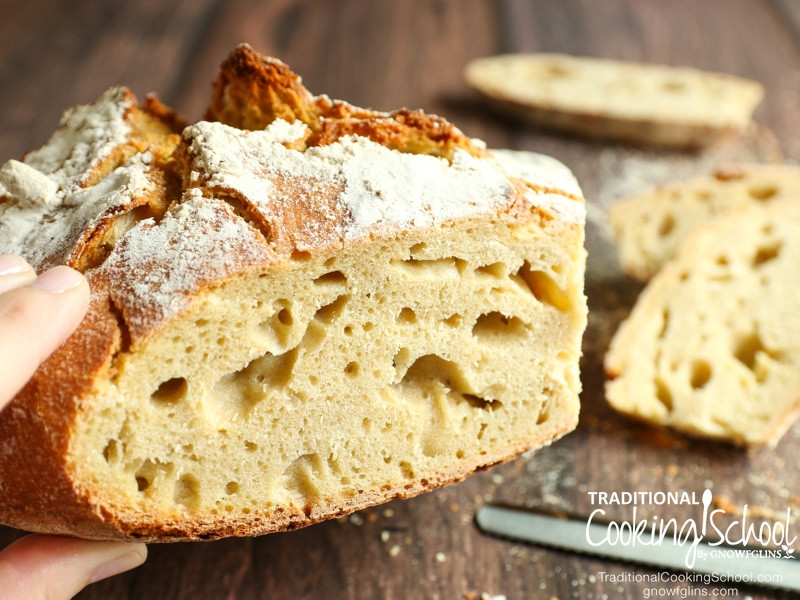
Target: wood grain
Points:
(390, 54)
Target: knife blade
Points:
(571, 535)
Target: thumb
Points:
(35, 319)
(43, 566)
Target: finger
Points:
(43, 566)
(35, 320)
(14, 272)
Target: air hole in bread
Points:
(187, 491)
(285, 317)
(149, 471)
(764, 192)
(673, 87)
(279, 325)
(454, 320)
(665, 316)
(747, 349)
(543, 416)
(232, 488)
(299, 477)
(703, 195)
(300, 255)
(555, 71)
(482, 403)
(434, 268)
(494, 324)
(498, 270)
(111, 452)
(407, 316)
(170, 392)
(701, 374)
(666, 226)
(407, 469)
(417, 249)
(544, 288)
(236, 394)
(332, 277)
(663, 394)
(722, 260)
(250, 446)
(766, 253)
(352, 369)
(329, 312)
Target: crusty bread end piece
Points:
(319, 314)
(627, 101)
(649, 228)
(712, 347)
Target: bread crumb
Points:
(385, 535)
(356, 519)
(441, 557)
(394, 550)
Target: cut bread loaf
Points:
(649, 228)
(712, 347)
(304, 309)
(627, 101)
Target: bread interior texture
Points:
(380, 371)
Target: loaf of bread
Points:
(649, 228)
(299, 308)
(712, 347)
(601, 98)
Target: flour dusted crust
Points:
(711, 347)
(622, 100)
(299, 308)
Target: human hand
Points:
(36, 315)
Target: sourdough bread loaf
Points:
(711, 347)
(649, 228)
(299, 308)
(627, 101)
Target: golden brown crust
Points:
(40, 417)
(252, 91)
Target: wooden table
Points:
(386, 54)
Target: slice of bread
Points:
(337, 308)
(627, 101)
(649, 228)
(712, 347)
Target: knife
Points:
(571, 535)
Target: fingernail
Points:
(57, 280)
(125, 562)
(11, 264)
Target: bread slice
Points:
(649, 228)
(335, 309)
(712, 347)
(627, 101)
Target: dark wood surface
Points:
(385, 54)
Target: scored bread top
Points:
(152, 215)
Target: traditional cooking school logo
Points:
(731, 538)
